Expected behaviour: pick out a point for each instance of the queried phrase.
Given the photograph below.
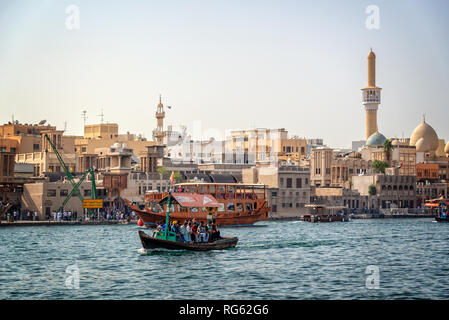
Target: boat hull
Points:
(226, 219)
(438, 219)
(325, 218)
(151, 243)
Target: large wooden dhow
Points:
(238, 204)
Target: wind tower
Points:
(158, 133)
(371, 97)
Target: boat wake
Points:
(142, 251)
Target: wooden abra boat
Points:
(149, 242)
(439, 207)
(238, 204)
(169, 240)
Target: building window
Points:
(51, 193)
(87, 193)
(274, 194)
(63, 193)
(289, 182)
(36, 147)
(274, 208)
(298, 183)
(281, 182)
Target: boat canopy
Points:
(185, 199)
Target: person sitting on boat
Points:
(185, 235)
(203, 231)
(194, 234)
(214, 232)
(175, 229)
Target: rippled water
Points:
(281, 260)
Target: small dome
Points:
(376, 139)
(446, 148)
(395, 142)
(426, 132)
(422, 145)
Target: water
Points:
(283, 260)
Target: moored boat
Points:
(238, 204)
(322, 213)
(439, 208)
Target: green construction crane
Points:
(93, 187)
(70, 178)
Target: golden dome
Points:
(422, 145)
(446, 148)
(427, 134)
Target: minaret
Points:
(371, 96)
(159, 133)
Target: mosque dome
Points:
(376, 139)
(395, 142)
(427, 134)
(423, 145)
(446, 149)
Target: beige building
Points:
(47, 197)
(263, 146)
(343, 168)
(397, 191)
(101, 131)
(289, 188)
(320, 166)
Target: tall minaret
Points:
(371, 96)
(158, 133)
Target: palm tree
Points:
(388, 147)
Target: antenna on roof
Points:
(101, 115)
(84, 116)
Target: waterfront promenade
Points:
(21, 223)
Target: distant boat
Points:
(322, 213)
(439, 207)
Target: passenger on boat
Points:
(185, 235)
(175, 229)
(203, 231)
(194, 234)
(214, 232)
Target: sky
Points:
(225, 65)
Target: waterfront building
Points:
(340, 196)
(391, 190)
(289, 188)
(47, 196)
(426, 190)
(344, 167)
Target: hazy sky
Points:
(297, 65)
